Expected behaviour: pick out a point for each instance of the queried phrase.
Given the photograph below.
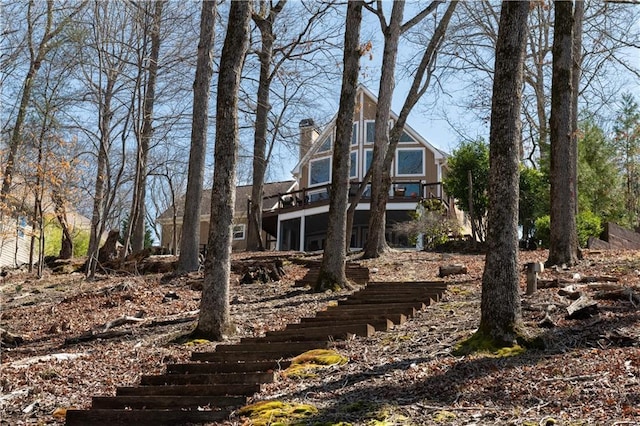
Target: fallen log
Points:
(126, 319)
(619, 294)
(584, 307)
(453, 269)
(8, 339)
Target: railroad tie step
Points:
(121, 417)
(138, 402)
(310, 333)
(379, 324)
(208, 379)
(190, 390)
(226, 367)
(396, 319)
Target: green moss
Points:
(459, 291)
(444, 416)
(272, 413)
(481, 343)
(304, 364)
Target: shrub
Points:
(588, 225)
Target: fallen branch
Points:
(121, 321)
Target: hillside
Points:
(589, 372)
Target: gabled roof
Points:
(243, 193)
(439, 154)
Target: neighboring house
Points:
(272, 193)
(300, 221)
(15, 241)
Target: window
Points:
(405, 138)
(354, 134)
(320, 171)
(370, 127)
(368, 158)
(22, 224)
(238, 232)
(353, 170)
(409, 162)
(326, 144)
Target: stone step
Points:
(335, 332)
(226, 367)
(188, 390)
(121, 417)
(382, 324)
(208, 379)
(137, 402)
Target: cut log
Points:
(454, 269)
(8, 339)
(584, 307)
(571, 292)
(619, 294)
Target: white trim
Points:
(422, 173)
(315, 160)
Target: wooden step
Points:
(105, 417)
(226, 367)
(208, 379)
(279, 348)
(335, 332)
(345, 311)
(137, 402)
(386, 300)
(355, 317)
(378, 308)
(240, 357)
(187, 390)
(406, 285)
(383, 324)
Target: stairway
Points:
(221, 381)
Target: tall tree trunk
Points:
(563, 247)
(578, 17)
(66, 246)
(380, 181)
(418, 88)
(332, 271)
(500, 302)
(215, 319)
(138, 211)
(190, 240)
(260, 160)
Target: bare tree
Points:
(563, 246)
(386, 141)
(332, 271)
(500, 304)
(38, 51)
(214, 321)
(190, 240)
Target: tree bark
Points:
(380, 181)
(500, 302)
(190, 240)
(215, 319)
(332, 271)
(260, 160)
(563, 247)
(137, 216)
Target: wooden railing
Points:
(401, 191)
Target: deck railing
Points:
(401, 191)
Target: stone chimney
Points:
(308, 134)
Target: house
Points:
(272, 193)
(300, 223)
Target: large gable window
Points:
(354, 134)
(320, 171)
(353, 167)
(326, 144)
(370, 132)
(368, 159)
(409, 162)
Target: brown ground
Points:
(589, 372)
